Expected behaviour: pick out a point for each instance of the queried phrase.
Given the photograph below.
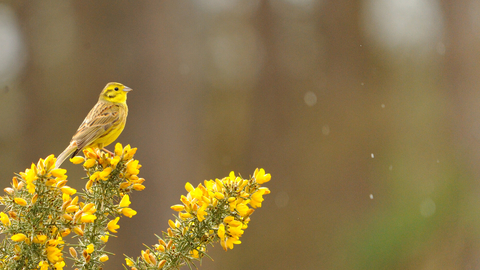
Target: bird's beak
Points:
(127, 89)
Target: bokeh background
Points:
(365, 112)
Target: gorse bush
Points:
(40, 210)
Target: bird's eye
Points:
(116, 88)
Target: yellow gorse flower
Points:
(132, 167)
(43, 265)
(4, 219)
(30, 175)
(58, 173)
(105, 237)
(112, 225)
(68, 190)
(20, 201)
(257, 197)
(77, 230)
(77, 160)
(40, 239)
(90, 248)
(125, 202)
(104, 258)
(89, 163)
(54, 254)
(19, 237)
(261, 177)
(129, 262)
(59, 265)
(87, 218)
(242, 209)
(201, 213)
(105, 173)
(128, 212)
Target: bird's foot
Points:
(108, 151)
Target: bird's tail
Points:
(68, 152)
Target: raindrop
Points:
(371, 196)
(383, 106)
(310, 98)
(372, 155)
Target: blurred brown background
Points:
(366, 113)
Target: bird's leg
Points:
(108, 151)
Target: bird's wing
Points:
(101, 118)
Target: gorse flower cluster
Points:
(40, 210)
(217, 210)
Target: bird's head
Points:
(115, 92)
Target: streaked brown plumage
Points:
(103, 124)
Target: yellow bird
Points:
(103, 124)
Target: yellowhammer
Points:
(103, 124)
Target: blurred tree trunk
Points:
(462, 67)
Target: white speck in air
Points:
(310, 98)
